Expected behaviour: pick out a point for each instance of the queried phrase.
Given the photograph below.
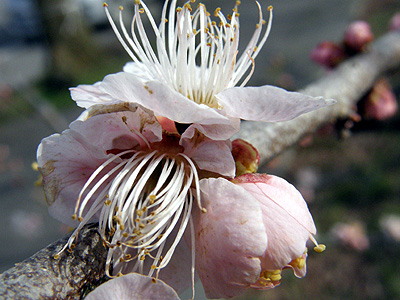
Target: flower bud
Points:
(381, 103)
(394, 23)
(328, 54)
(358, 35)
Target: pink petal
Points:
(286, 217)
(230, 238)
(66, 161)
(267, 103)
(133, 286)
(209, 155)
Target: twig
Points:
(42, 277)
(347, 84)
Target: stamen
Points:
(318, 247)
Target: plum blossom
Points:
(195, 67)
(116, 166)
(255, 226)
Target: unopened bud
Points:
(358, 35)
(328, 54)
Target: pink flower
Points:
(116, 166)
(133, 286)
(255, 226)
(194, 75)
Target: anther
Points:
(105, 4)
(74, 217)
(121, 8)
(216, 12)
(320, 248)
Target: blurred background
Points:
(348, 172)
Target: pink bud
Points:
(394, 23)
(328, 54)
(358, 35)
(381, 102)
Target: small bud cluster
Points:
(380, 102)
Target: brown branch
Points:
(43, 277)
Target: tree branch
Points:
(43, 277)
(346, 84)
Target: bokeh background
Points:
(349, 176)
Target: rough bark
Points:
(43, 277)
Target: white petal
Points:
(268, 103)
(87, 95)
(159, 98)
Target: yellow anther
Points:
(194, 31)
(238, 3)
(153, 267)
(320, 248)
(152, 197)
(121, 8)
(188, 7)
(105, 4)
(142, 226)
(258, 26)
(122, 227)
(271, 275)
(72, 246)
(125, 234)
(213, 23)
(298, 263)
(80, 219)
(74, 217)
(237, 15)
(35, 166)
(121, 259)
(229, 17)
(264, 22)
(216, 12)
(203, 210)
(143, 257)
(107, 202)
(137, 2)
(153, 280)
(56, 256)
(270, 8)
(235, 9)
(179, 9)
(165, 20)
(139, 213)
(141, 10)
(119, 274)
(128, 256)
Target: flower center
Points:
(141, 198)
(194, 55)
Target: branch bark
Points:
(346, 84)
(43, 277)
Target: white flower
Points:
(194, 74)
